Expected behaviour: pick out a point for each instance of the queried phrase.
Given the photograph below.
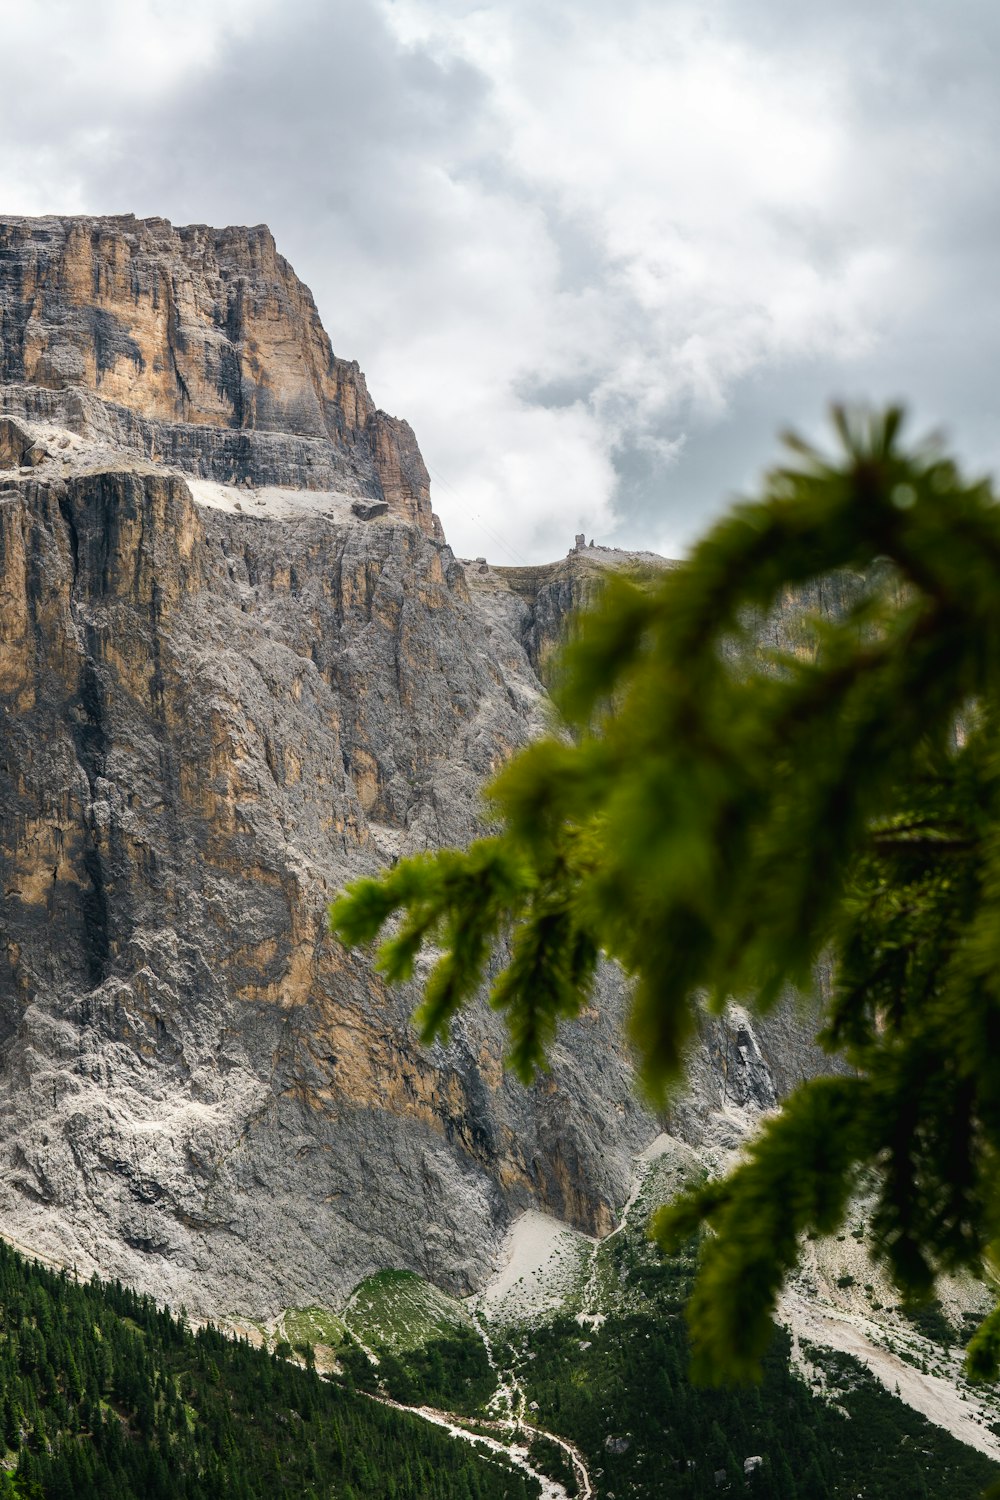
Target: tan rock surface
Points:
(218, 702)
(186, 328)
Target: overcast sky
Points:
(597, 252)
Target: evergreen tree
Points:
(719, 820)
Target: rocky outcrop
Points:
(196, 347)
(538, 602)
(17, 447)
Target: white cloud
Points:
(701, 173)
(569, 244)
(122, 49)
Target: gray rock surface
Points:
(537, 602)
(213, 712)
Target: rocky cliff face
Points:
(203, 349)
(238, 667)
(538, 602)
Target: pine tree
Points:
(719, 820)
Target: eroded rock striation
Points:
(197, 347)
(239, 666)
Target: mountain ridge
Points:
(176, 330)
(231, 679)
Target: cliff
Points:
(203, 350)
(238, 667)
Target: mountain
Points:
(196, 347)
(239, 666)
(108, 1397)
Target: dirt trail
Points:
(511, 1449)
(513, 1392)
(509, 1388)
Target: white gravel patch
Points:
(962, 1413)
(270, 502)
(551, 1488)
(541, 1258)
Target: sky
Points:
(599, 253)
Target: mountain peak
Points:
(201, 346)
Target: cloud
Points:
(594, 258)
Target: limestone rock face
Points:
(239, 666)
(204, 349)
(218, 702)
(209, 722)
(539, 601)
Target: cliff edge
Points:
(196, 347)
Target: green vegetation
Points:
(646, 1431)
(610, 1374)
(720, 816)
(551, 1459)
(929, 1319)
(311, 1325)
(426, 1347)
(617, 1387)
(399, 1310)
(103, 1396)
(451, 1373)
(622, 1393)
